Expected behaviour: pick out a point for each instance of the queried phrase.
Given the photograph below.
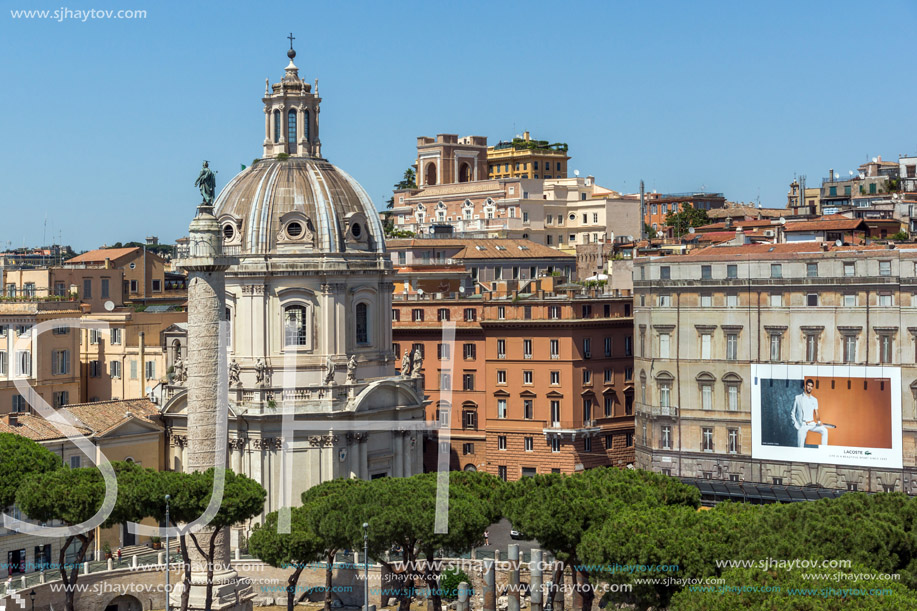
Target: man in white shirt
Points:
(805, 416)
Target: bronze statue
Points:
(206, 182)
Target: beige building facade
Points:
(706, 320)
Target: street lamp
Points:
(168, 590)
(32, 598)
(366, 565)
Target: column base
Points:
(230, 593)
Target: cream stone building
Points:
(705, 320)
(308, 301)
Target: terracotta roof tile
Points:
(500, 248)
(99, 255)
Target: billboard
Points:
(827, 414)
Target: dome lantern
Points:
(291, 114)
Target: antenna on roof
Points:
(576, 172)
(781, 220)
(838, 243)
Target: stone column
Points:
(512, 599)
(397, 451)
(536, 577)
(364, 457)
(207, 377)
(490, 586)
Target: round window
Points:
(572, 217)
(133, 265)
(294, 230)
(356, 230)
(228, 231)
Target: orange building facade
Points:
(539, 383)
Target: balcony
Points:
(668, 411)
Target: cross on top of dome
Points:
(291, 53)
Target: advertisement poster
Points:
(827, 414)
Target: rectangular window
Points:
(776, 300)
(61, 398)
(3, 363)
(628, 440)
(732, 271)
(555, 349)
(75, 462)
(157, 286)
(501, 472)
(812, 300)
(587, 444)
(133, 286)
(467, 381)
(587, 348)
(665, 301)
(501, 408)
(60, 362)
(811, 348)
(529, 444)
(665, 393)
(775, 345)
(443, 352)
(555, 378)
(554, 312)
(850, 300)
(849, 269)
(116, 336)
(706, 395)
(417, 314)
(471, 315)
(555, 445)
(527, 348)
(609, 406)
(732, 300)
(732, 397)
(666, 437)
(133, 369)
(114, 369)
(665, 272)
(24, 363)
(501, 348)
(706, 300)
(707, 440)
(705, 343)
(885, 300)
(467, 448)
(442, 314)
(528, 409)
(501, 376)
(607, 346)
(396, 315)
(706, 272)
(628, 346)
(501, 312)
(608, 377)
(470, 419)
(812, 270)
(850, 348)
(527, 377)
(19, 404)
(587, 311)
(885, 349)
(663, 345)
(555, 413)
(87, 288)
(732, 346)
(470, 352)
(587, 376)
(587, 410)
(776, 270)
(501, 442)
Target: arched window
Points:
(362, 324)
(465, 173)
(276, 126)
(291, 130)
(305, 125)
(430, 174)
(295, 331)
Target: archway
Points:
(465, 173)
(470, 468)
(124, 602)
(430, 174)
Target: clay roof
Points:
(737, 223)
(750, 211)
(825, 224)
(774, 251)
(93, 419)
(501, 248)
(99, 255)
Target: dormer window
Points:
(294, 230)
(228, 231)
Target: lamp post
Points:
(32, 598)
(366, 565)
(168, 589)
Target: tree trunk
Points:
(430, 577)
(208, 601)
(186, 576)
(329, 577)
(583, 589)
(557, 585)
(291, 586)
(70, 580)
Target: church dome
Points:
(298, 205)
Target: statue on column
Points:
(406, 364)
(329, 367)
(206, 182)
(418, 362)
(352, 370)
(178, 371)
(234, 371)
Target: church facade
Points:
(307, 333)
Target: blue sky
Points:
(105, 123)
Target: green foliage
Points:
(449, 582)
(21, 458)
(901, 236)
(282, 156)
(688, 217)
(649, 231)
(293, 550)
(791, 591)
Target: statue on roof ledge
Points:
(206, 182)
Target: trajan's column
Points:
(207, 388)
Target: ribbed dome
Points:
(298, 205)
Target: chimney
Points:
(526, 136)
(12, 419)
(728, 222)
(831, 175)
(879, 158)
(107, 263)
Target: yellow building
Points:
(527, 158)
(45, 356)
